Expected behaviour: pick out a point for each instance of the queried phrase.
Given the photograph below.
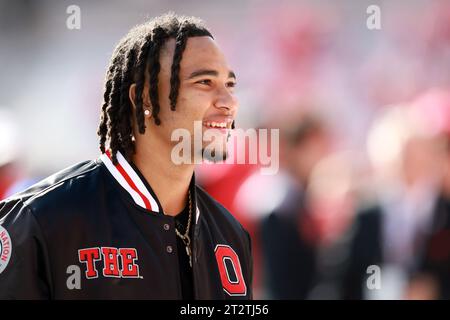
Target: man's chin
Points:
(212, 155)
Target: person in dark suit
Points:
(288, 254)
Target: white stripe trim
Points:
(137, 181)
(133, 175)
(116, 174)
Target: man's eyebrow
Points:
(207, 72)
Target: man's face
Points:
(205, 93)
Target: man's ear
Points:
(132, 95)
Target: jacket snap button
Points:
(169, 249)
(166, 226)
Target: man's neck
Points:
(169, 181)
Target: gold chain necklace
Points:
(186, 239)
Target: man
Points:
(289, 244)
(133, 224)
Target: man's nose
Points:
(226, 100)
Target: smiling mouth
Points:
(218, 124)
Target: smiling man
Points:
(132, 224)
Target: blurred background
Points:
(364, 120)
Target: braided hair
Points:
(137, 53)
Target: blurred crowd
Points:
(364, 120)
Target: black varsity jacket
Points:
(97, 231)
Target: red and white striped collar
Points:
(127, 177)
(130, 181)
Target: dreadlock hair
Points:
(137, 53)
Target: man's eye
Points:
(231, 84)
(205, 81)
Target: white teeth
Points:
(216, 124)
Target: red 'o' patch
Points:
(230, 271)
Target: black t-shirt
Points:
(187, 287)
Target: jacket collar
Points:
(129, 177)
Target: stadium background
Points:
(364, 119)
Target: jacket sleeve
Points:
(24, 264)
